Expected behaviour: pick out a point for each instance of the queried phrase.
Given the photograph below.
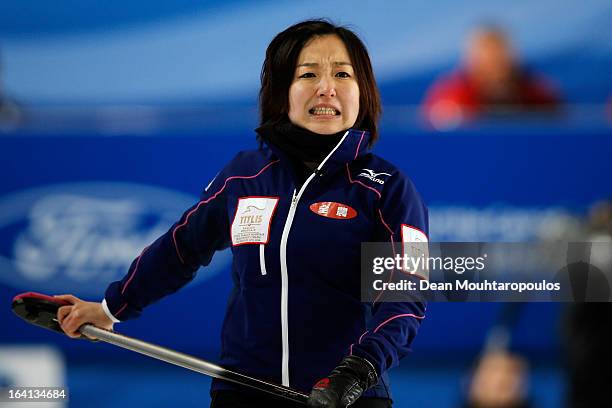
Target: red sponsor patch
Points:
(334, 210)
(323, 383)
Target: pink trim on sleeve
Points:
(348, 173)
(361, 337)
(385, 224)
(121, 310)
(382, 324)
(134, 271)
(358, 342)
(391, 234)
(210, 199)
(396, 317)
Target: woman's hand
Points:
(344, 385)
(79, 312)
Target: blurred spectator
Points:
(491, 81)
(588, 329)
(10, 112)
(600, 220)
(500, 381)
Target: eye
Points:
(343, 74)
(307, 75)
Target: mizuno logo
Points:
(372, 175)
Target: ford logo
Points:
(79, 237)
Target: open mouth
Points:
(324, 111)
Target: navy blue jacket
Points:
(295, 309)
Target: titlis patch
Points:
(372, 175)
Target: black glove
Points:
(344, 385)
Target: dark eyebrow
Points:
(314, 64)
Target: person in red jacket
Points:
(490, 81)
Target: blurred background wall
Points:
(116, 115)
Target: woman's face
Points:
(324, 95)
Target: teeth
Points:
(323, 111)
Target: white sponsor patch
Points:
(412, 234)
(252, 220)
(415, 245)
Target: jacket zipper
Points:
(262, 258)
(283, 263)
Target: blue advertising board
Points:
(75, 211)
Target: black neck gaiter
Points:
(299, 144)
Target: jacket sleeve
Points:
(394, 325)
(172, 260)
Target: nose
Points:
(327, 86)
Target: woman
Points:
(295, 213)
